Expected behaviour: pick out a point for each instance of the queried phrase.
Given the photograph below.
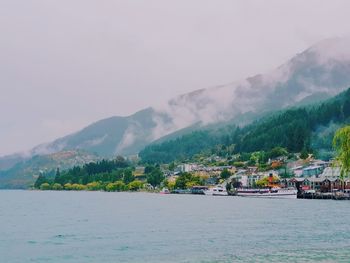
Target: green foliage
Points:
(68, 186)
(172, 166)
(341, 143)
(155, 177)
(304, 154)
(187, 180)
(91, 176)
(120, 186)
(78, 187)
(287, 131)
(128, 176)
(57, 175)
(116, 186)
(74, 187)
(238, 164)
(94, 186)
(179, 149)
(40, 180)
(45, 186)
(57, 186)
(135, 185)
(277, 152)
(225, 174)
(264, 182)
(111, 187)
(111, 176)
(169, 184)
(120, 162)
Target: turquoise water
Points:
(139, 227)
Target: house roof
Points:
(315, 180)
(312, 167)
(297, 179)
(331, 172)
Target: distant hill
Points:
(311, 128)
(23, 174)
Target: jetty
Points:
(329, 195)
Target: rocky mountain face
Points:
(319, 72)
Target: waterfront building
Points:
(312, 171)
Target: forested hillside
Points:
(294, 129)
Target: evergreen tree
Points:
(304, 154)
(40, 180)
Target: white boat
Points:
(269, 192)
(218, 190)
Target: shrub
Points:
(45, 186)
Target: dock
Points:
(317, 195)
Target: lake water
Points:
(139, 227)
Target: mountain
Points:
(319, 72)
(24, 173)
(309, 128)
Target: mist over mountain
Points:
(304, 128)
(319, 72)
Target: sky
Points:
(65, 64)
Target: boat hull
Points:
(285, 194)
(216, 191)
(215, 194)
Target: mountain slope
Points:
(23, 174)
(294, 129)
(322, 69)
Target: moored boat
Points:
(269, 192)
(165, 191)
(218, 190)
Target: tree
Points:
(78, 187)
(155, 177)
(128, 176)
(41, 180)
(225, 174)
(149, 169)
(341, 143)
(57, 186)
(120, 162)
(93, 186)
(45, 186)
(278, 151)
(304, 155)
(169, 184)
(172, 166)
(185, 180)
(120, 186)
(68, 186)
(111, 187)
(135, 185)
(265, 181)
(57, 176)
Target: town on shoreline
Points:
(313, 178)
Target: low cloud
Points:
(251, 95)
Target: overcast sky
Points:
(67, 63)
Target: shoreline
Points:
(300, 196)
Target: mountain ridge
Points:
(309, 128)
(322, 68)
